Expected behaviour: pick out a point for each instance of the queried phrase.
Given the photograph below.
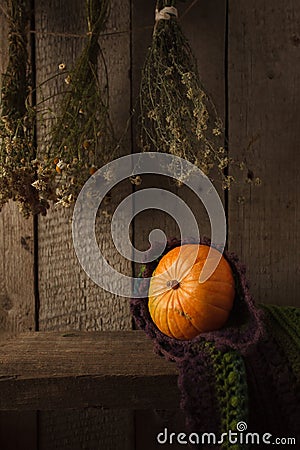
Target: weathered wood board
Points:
(264, 110)
(259, 88)
(204, 26)
(17, 293)
(69, 300)
(107, 369)
(81, 429)
(18, 430)
(17, 301)
(149, 424)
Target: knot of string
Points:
(166, 13)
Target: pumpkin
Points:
(181, 306)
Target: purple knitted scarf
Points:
(247, 371)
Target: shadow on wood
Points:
(48, 370)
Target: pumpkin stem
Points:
(173, 284)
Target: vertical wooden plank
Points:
(17, 301)
(69, 300)
(264, 89)
(18, 430)
(142, 29)
(17, 304)
(149, 424)
(204, 26)
(89, 429)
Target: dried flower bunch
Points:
(177, 115)
(17, 122)
(80, 136)
(81, 139)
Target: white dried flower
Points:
(61, 165)
(40, 185)
(68, 79)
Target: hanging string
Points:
(166, 13)
(105, 34)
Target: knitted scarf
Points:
(243, 377)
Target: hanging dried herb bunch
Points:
(81, 139)
(177, 115)
(17, 123)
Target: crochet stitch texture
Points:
(247, 371)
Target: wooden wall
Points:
(249, 59)
(263, 112)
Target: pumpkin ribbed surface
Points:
(181, 306)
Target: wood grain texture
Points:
(148, 220)
(149, 424)
(204, 26)
(18, 430)
(69, 300)
(80, 430)
(81, 370)
(264, 107)
(17, 302)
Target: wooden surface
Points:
(81, 430)
(69, 300)
(150, 423)
(204, 26)
(18, 430)
(17, 292)
(260, 90)
(17, 301)
(264, 110)
(142, 29)
(47, 371)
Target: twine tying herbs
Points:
(164, 14)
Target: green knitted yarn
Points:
(247, 372)
(230, 389)
(284, 324)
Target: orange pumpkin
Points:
(181, 306)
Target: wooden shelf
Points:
(46, 371)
